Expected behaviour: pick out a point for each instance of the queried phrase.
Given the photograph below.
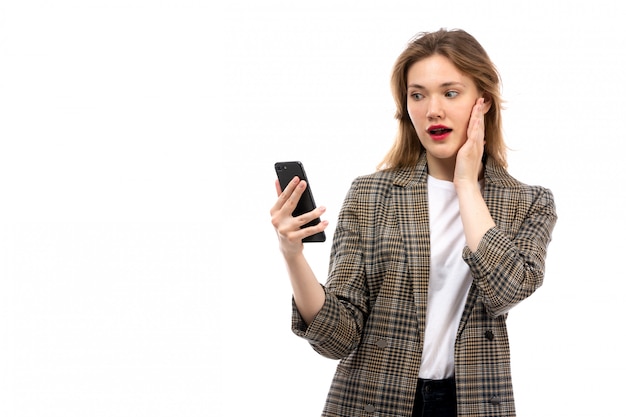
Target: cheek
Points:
(414, 115)
(464, 115)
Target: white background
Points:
(139, 273)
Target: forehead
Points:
(436, 70)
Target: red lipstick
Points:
(439, 132)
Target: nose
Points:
(434, 110)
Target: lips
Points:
(439, 132)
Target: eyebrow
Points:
(443, 85)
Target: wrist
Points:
(293, 256)
(467, 187)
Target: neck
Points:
(442, 169)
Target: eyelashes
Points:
(448, 94)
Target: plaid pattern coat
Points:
(375, 310)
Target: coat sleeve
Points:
(509, 264)
(336, 330)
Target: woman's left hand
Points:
(469, 157)
(474, 212)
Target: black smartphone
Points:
(285, 172)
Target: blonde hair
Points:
(464, 51)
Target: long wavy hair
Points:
(469, 57)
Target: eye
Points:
(416, 96)
(451, 94)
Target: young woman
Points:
(430, 252)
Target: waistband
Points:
(447, 385)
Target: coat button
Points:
(489, 335)
(382, 343)
(495, 400)
(369, 408)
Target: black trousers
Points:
(435, 398)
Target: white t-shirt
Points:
(449, 281)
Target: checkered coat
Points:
(375, 310)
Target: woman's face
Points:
(439, 102)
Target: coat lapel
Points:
(410, 197)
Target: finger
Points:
(283, 195)
(320, 227)
(289, 226)
(294, 196)
(305, 218)
(279, 190)
(477, 120)
(286, 193)
(289, 198)
(299, 234)
(290, 186)
(477, 109)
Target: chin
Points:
(442, 154)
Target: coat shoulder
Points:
(374, 185)
(498, 178)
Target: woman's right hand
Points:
(288, 228)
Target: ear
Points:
(487, 103)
